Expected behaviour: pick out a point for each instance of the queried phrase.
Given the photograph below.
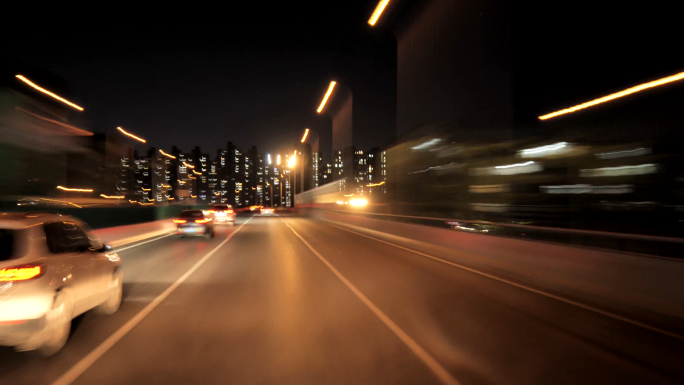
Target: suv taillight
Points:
(202, 220)
(229, 211)
(21, 273)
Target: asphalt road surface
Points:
(287, 300)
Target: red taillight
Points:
(21, 273)
(179, 221)
(202, 220)
(212, 211)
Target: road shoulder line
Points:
(442, 374)
(521, 286)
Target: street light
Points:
(378, 11)
(331, 87)
(139, 139)
(46, 92)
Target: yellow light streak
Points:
(306, 133)
(327, 95)
(375, 184)
(349, 195)
(166, 185)
(75, 189)
(145, 204)
(196, 173)
(43, 90)
(378, 11)
(146, 189)
(188, 165)
(167, 155)
(139, 139)
(191, 177)
(132, 201)
(112, 196)
(616, 95)
(193, 196)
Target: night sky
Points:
(253, 73)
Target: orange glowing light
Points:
(196, 173)
(202, 220)
(179, 221)
(306, 133)
(188, 165)
(167, 155)
(145, 204)
(43, 90)
(193, 196)
(375, 184)
(146, 189)
(132, 201)
(327, 95)
(378, 11)
(139, 139)
(20, 273)
(616, 95)
(75, 189)
(112, 196)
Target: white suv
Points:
(52, 269)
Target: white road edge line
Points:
(116, 249)
(418, 350)
(533, 290)
(86, 362)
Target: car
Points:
(52, 269)
(267, 211)
(194, 223)
(221, 214)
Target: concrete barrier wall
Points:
(651, 287)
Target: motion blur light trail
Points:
(616, 95)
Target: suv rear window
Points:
(7, 240)
(192, 214)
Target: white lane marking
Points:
(533, 290)
(86, 362)
(418, 350)
(116, 249)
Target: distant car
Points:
(267, 211)
(222, 214)
(52, 269)
(194, 223)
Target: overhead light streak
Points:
(167, 155)
(112, 196)
(375, 184)
(327, 95)
(75, 189)
(188, 165)
(139, 139)
(306, 133)
(378, 11)
(196, 173)
(146, 189)
(616, 95)
(43, 90)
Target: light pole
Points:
(291, 165)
